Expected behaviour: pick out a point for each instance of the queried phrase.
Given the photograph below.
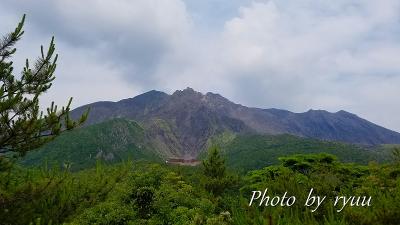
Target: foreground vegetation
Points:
(150, 193)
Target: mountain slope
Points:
(181, 124)
(178, 125)
(119, 139)
(250, 152)
(111, 141)
(341, 126)
(133, 108)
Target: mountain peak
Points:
(145, 97)
(186, 91)
(344, 112)
(214, 95)
(151, 94)
(317, 111)
(185, 120)
(216, 99)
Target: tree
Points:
(396, 155)
(215, 171)
(144, 201)
(214, 165)
(23, 126)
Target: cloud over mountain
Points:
(294, 54)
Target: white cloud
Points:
(292, 54)
(306, 54)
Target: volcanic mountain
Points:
(182, 124)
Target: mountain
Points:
(117, 140)
(177, 125)
(110, 141)
(182, 124)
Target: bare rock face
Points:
(181, 124)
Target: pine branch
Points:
(10, 40)
(22, 126)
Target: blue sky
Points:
(291, 54)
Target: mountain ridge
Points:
(182, 124)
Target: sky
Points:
(288, 54)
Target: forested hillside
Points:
(256, 151)
(121, 139)
(112, 141)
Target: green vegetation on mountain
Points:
(256, 151)
(385, 151)
(118, 139)
(112, 141)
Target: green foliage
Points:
(151, 194)
(147, 193)
(214, 165)
(23, 126)
(53, 195)
(106, 213)
(251, 152)
(297, 174)
(144, 198)
(214, 170)
(396, 155)
(110, 141)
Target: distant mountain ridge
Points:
(182, 124)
